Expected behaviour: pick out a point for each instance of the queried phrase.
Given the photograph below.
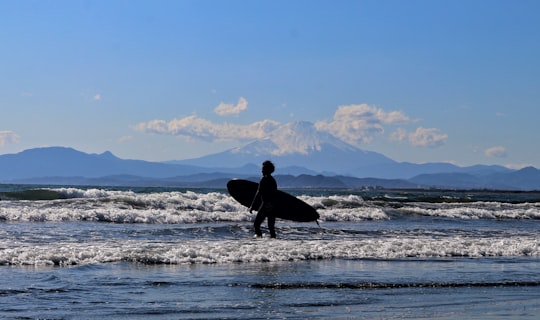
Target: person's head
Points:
(268, 167)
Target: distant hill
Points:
(508, 181)
(68, 162)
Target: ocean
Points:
(158, 253)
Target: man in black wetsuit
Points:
(267, 193)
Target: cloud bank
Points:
(8, 137)
(360, 123)
(355, 124)
(195, 128)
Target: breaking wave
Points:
(266, 250)
(117, 206)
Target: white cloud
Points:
(193, 127)
(496, 152)
(97, 97)
(8, 137)
(224, 109)
(427, 137)
(422, 137)
(360, 123)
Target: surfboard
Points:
(288, 207)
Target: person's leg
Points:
(272, 225)
(258, 221)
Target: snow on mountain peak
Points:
(302, 138)
(295, 137)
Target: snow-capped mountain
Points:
(302, 138)
(299, 144)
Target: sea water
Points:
(96, 253)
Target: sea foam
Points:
(193, 207)
(265, 250)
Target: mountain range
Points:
(304, 158)
(299, 144)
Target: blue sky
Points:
(419, 81)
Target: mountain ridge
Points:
(61, 165)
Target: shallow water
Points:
(441, 288)
(180, 254)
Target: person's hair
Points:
(268, 164)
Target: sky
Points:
(417, 80)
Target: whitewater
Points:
(95, 252)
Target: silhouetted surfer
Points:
(267, 193)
